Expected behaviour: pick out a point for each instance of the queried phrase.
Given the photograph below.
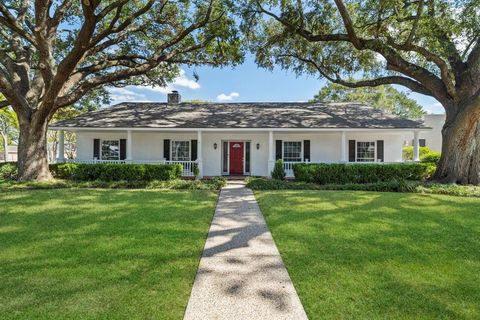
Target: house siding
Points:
(324, 146)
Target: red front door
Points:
(236, 157)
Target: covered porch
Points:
(217, 152)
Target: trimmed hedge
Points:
(387, 186)
(116, 172)
(214, 184)
(342, 173)
(432, 157)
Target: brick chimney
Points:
(173, 98)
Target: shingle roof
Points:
(239, 115)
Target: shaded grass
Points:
(370, 255)
(214, 184)
(110, 254)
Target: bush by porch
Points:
(116, 172)
(342, 173)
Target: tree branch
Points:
(4, 104)
(407, 82)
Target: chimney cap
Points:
(173, 97)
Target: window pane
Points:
(181, 150)
(110, 150)
(247, 157)
(225, 157)
(365, 151)
(292, 151)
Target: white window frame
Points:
(301, 150)
(189, 149)
(374, 151)
(101, 148)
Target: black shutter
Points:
(351, 150)
(194, 154)
(422, 142)
(123, 149)
(166, 149)
(380, 152)
(278, 149)
(306, 150)
(96, 149)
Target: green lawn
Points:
(84, 254)
(367, 255)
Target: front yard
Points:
(79, 253)
(368, 255)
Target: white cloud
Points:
(125, 94)
(434, 108)
(181, 81)
(228, 97)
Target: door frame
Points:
(227, 173)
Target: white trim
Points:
(243, 129)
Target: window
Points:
(365, 151)
(110, 150)
(292, 151)
(247, 157)
(225, 157)
(181, 150)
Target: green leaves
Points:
(383, 97)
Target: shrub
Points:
(278, 172)
(196, 170)
(219, 182)
(386, 186)
(407, 152)
(116, 172)
(8, 171)
(343, 173)
(432, 157)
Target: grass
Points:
(176, 184)
(371, 255)
(110, 254)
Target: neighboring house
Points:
(432, 138)
(239, 138)
(11, 154)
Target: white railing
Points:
(288, 168)
(187, 165)
(94, 161)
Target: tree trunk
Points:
(460, 160)
(32, 151)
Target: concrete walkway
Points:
(241, 275)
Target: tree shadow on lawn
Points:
(361, 254)
(95, 253)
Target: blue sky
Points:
(245, 83)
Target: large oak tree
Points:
(429, 46)
(54, 52)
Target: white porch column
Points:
(416, 146)
(344, 147)
(61, 146)
(271, 154)
(129, 146)
(199, 154)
